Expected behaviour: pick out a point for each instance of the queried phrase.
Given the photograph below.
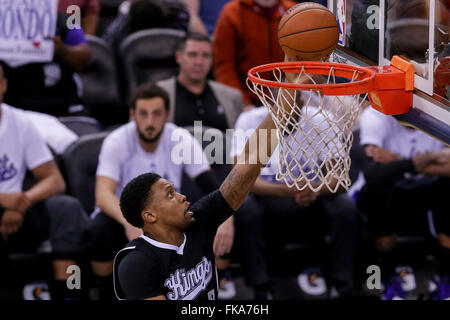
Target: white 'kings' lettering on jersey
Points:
(186, 285)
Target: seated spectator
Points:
(143, 145)
(90, 10)
(302, 215)
(195, 98)
(407, 175)
(247, 36)
(30, 217)
(136, 15)
(51, 87)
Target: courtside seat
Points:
(81, 160)
(100, 82)
(149, 55)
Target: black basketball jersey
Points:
(146, 268)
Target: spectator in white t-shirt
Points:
(147, 144)
(407, 180)
(303, 215)
(27, 218)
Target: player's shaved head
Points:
(136, 196)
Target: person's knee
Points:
(67, 215)
(106, 238)
(65, 207)
(69, 225)
(345, 209)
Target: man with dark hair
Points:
(173, 258)
(194, 97)
(145, 144)
(29, 217)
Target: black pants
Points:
(106, 239)
(334, 215)
(391, 209)
(249, 241)
(60, 219)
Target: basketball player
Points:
(173, 258)
(142, 145)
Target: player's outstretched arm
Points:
(240, 180)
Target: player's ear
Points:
(178, 56)
(149, 216)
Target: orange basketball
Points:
(308, 31)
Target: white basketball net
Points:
(314, 140)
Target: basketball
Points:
(308, 31)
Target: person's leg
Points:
(377, 204)
(107, 238)
(343, 215)
(68, 227)
(441, 208)
(248, 221)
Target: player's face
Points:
(150, 116)
(267, 3)
(195, 60)
(171, 207)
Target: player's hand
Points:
(11, 222)
(132, 232)
(381, 155)
(303, 79)
(306, 197)
(16, 200)
(223, 242)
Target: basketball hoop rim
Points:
(363, 83)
